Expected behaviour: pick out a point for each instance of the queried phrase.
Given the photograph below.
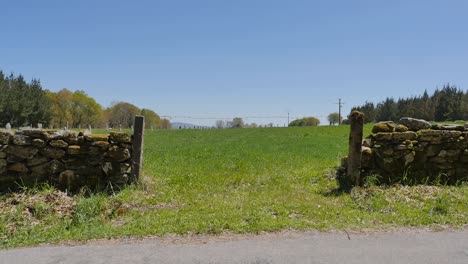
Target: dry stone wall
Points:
(65, 159)
(414, 148)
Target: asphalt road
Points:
(312, 247)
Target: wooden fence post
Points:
(355, 145)
(137, 147)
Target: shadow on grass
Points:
(344, 184)
(85, 191)
(336, 192)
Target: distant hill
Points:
(180, 125)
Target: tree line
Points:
(25, 103)
(446, 104)
(306, 121)
(236, 122)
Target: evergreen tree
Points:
(387, 110)
(448, 104)
(22, 103)
(426, 107)
(369, 111)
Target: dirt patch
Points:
(26, 209)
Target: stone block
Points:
(21, 140)
(366, 158)
(116, 169)
(383, 137)
(22, 152)
(449, 154)
(71, 138)
(37, 142)
(433, 150)
(118, 137)
(118, 154)
(69, 180)
(401, 147)
(437, 136)
(125, 145)
(97, 137)
(5, 137)
(56, 166)
(35, 133)
(37, 160)
(58, 143)
(54, 153)
(41, 170)
(384, 126)
(408, 158)
(95, 151)
(18, 167)
(74, 162)
(103, 145)
(409, 135)
(94, 160)
(448, 127)
(388, 152)
(13, 159)
(401, 128)
(432, 136)
(414, 124)
(77, 150)
(3, 165)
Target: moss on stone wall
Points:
(420, 155)
(66, 159)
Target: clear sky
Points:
(237, 58)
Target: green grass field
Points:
(235, 181)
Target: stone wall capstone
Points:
(65, 159)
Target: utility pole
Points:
(288, 119)
(340, 105)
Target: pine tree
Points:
(387, 110)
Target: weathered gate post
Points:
(137, 147)
(355, 145)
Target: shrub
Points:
(306, 121)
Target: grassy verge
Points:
(245, 180)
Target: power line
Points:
(245, 117)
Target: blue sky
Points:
(238, 58)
